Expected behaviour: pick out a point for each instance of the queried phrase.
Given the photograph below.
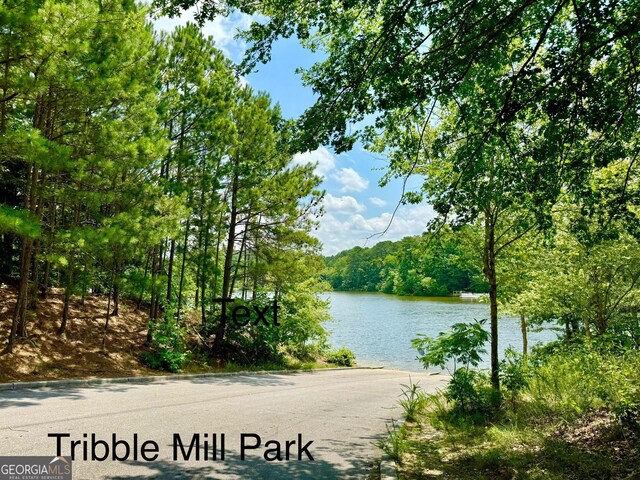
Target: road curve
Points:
(343, 412)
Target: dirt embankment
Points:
(79, 352)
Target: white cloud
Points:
(338, 234)
(222, 29)
(325, 162)
(351, 180)
(378, 202)
(345, 204)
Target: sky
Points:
(356, 207)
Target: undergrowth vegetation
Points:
(568, 410)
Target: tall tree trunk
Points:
(172, 252)
(238, 265)
(23, 291)
(117, 273)
(106, 319)
(116, 299)
(158, 308)
(5, 89)
(203, 272)
(44, 289)
(172, 249)
(37, 203)
(182, 268)
(144, 280)
(152, 311)
(489, 269)
(20, 312)
(200, 230)
(214, 290)
(523, 329)
(67, 299)
(33, 294)
(199, 263)
(109, 290)
(47, 265)
(587, 326)
(228, 263)
(254, 293)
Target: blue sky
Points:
(356, 206)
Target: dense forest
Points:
(137, 165)
(429, 265)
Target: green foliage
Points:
(464, 344)
(590, 283)
(514, 375)
(168, 349)
(342, 357)
(571, 379)
(471, 393)
(19, 222)
(412, 400)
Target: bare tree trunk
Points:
(241, 253)
(587, 326)
(144, 279)
(107, 316)
(47, 265)
(106, 320)
(116, 299)
(33, 294)
(67, 299)
(489, 268)
(23, 291)
(523, 329)
(182, 268)
(152, 312)
(203, 272)
(172, 252)
(158, 308)
(228, 264)
(214, 289)
(44, 290)
(198, 273)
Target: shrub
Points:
(464, 345)
(514, 375)
(343, 357)
(471, 392)
(168, 346)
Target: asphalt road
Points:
(343, 412)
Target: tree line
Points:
(137, 163)
(426, 265)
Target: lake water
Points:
(378, 328)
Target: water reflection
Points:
(378, 328)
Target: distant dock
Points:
(469, 295)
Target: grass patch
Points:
(576, 418)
